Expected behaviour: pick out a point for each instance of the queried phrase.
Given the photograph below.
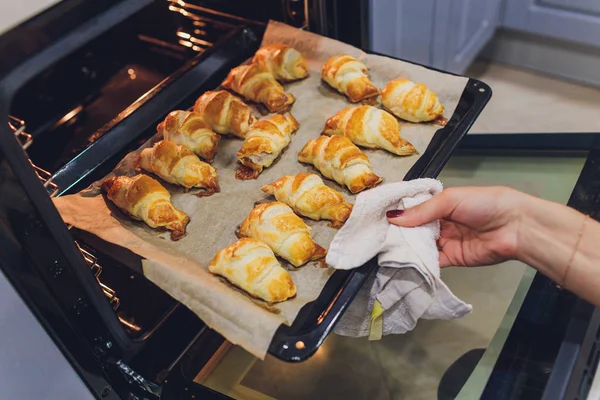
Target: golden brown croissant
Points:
(263, 144)
(178, 165)
(283, 62)
(251, 265)
(339, 159)
(369, 127)
(349, 76)
(188, 129)
(285, 233)
(225, 113)
(144, 199)
(410, 101)
(255, 83)
(308, 196)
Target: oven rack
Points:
(18, 127)
(96, 269)
(197, 38)
(25, 140)
(111, 294)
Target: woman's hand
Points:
(479, 225)
(482, 226)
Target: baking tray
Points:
(316, 319)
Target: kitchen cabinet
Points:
(439, 33)
(573, 20)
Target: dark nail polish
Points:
(394, 213)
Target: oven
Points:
(82, 84)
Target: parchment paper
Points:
(180, 268)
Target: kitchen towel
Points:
(407, 286)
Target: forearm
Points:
(556, 241)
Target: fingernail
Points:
(394, 213)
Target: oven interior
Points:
(68, 108)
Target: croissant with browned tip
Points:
(256, 83)
(283, 231)
(188, 128)
(283, 62)
(143, 198)
(264, 142)
(310, 197)
(411, 101)
(225, 113)
(251, 265)
(369, 127)
(179, 166)
(337, 158)
(349, 76)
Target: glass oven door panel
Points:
(413, 365)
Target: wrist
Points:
(547, 235)
(526, 226)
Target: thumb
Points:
(437, 207)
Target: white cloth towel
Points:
(407, 286)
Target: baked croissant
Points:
(143, 198)
(225, 113)
(308, 196)
(255, 83)
(369, 127)
(283, 62)
(283, 231)
(349, 76)
(251, 265)
(188, 129)
(410, 101)
(179, 166)
(263, 144)
(338, 159)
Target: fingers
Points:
(439, 206)
(444, 260)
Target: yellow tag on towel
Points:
(376, 329)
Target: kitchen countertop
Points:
(13, 13)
